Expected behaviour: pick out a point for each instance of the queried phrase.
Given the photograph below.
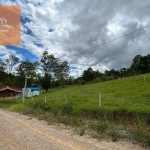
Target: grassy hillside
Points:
(130, 93)
(124, 111)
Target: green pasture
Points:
(132, 94)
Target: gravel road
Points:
(19, 132)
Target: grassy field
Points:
(125, 106)
(129, 94)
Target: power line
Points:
(114, 39)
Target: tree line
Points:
(140, 65)
(55, 73)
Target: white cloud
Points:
(4, 53)
(81, 25)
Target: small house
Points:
(31, 91)
(8, 91)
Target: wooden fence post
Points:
(144, 78)
(66, 94)
(32, 97)
(99, 99)
(45, 98)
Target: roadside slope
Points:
(19, 132)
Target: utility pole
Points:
(25, 84)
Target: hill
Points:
(131, 93)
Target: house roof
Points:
(33, 88)
(5, 87)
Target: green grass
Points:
(123, 101)
(130, 95)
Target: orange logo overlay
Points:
(10, 25)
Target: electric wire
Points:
(111, 40)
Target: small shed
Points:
(8, 91)
(31, 91)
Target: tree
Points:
(56, 69)
(25, 68)
(2, 70)
(123, 72)
(11, 62)
(38, 78)
(88, 75)
(61, 71)
(134, 69)
(48, 63)
(141, 64)
(46, 82)
(70, 80)
(112, 74)
(2, 65)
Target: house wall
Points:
(29, 93)
(6, 93)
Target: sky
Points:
(70, 29)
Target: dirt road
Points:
(18, 132)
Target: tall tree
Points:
(48, 63)
(54, 68)
(2, 70)
(25, 68)
(2, 65)
(61, 71)
(144, 65)
(123, 72)
(88, 75)
(11, 62)
(134, 69)
(46, 82)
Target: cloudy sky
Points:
(70, 29)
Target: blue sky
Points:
(24, 52)
(68, 29)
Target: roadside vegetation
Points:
(124, 111)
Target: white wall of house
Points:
(29, 93)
